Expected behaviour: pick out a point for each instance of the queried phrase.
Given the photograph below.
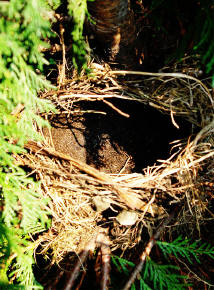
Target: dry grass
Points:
(185, 179)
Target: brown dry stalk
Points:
(17, 110)
(148, 249)
(174, 75)
(116, 109)
(62, 76)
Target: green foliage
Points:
(158, 276)
(23, 28)
(12, 240)
(193, 22)
(183, 248)
(78, 10)
(162, 276)
(54, 4)
(121, 264)
(154, 276)
(204, 44)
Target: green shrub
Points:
(23, 28)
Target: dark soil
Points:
(113, 143)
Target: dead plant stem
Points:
(174, 75)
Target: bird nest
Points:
(89, 203)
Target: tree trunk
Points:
(114, 29)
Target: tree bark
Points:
(114, 29)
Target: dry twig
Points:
(147, 251)
(104, 243)
(83, 256)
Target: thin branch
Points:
(104, 242)
(147, 250)
(116, 109)
(195, 275)
(62, 67)
(83, 256)
(81, 281)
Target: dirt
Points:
(113, 143)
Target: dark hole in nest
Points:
(113, 143)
